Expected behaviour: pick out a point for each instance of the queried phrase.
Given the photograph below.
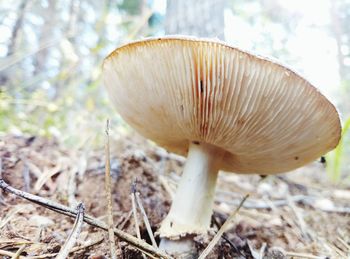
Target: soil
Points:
(294, 215)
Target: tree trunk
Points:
(13, 42)
(201, 18)
(46, 35)
(16, 28)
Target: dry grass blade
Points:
(109, 196)
(7, 253)
(12, 214)
(134, 212)
(59, 208)
(222, 230)
(12, 243)
(344, 244)
(145, 220)
(304, 229)
(70, 242)
(45, 177)
(19, 251)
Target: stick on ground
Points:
(222, 230)
(59, 208)
(19, 251)
(134, 212)
(145, 220)
(73, 236)
(109, 196)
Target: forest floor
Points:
(294, 215)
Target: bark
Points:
(201, 18)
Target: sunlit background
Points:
(51, 53)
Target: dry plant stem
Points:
(134, 212)
(109, 196)
(347, 247)
(1, 198)
(73, 236)
(192, 207)
(222, 230)
(19, 251)
(7, 253)
(145, 220)
(59, 208)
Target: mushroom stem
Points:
(191, 210)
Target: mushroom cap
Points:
(176, 90)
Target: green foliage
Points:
(336, 159)
(50, 84)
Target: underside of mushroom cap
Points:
(175, 91)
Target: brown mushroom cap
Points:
(177, 90)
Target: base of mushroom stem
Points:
(183, 248)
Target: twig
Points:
(222, 230)
(109, 196)
(1, 197)
(145, 220)
(73, 236)
(224, 236)
(134, 212)
(59, 208)
(19, 251)
(123, 220)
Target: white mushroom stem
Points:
(192, 206)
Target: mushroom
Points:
(225, 108)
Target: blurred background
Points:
(51, 54)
